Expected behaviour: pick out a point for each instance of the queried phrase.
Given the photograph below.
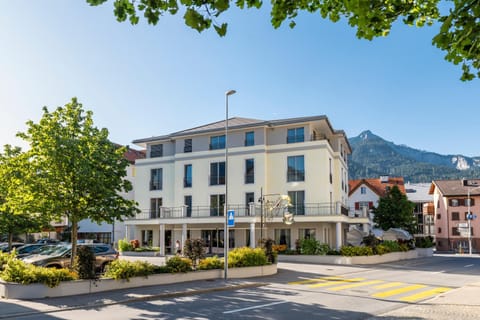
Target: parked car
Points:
(4, 246)
(28, 249)
(47, 241)
(59, 256)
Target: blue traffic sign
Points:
(231, 218)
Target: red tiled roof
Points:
(376, 185)
(131, 155)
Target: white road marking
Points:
(255, 307)
(469, 265)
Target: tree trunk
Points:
(10, 240)
(74, 241)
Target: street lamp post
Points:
(469, 220)
(225, 213)
(469, 184)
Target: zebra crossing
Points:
(379, 289)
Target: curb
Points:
(167, 295)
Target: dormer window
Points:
(156, 150)
(296, 135)
(217, 142)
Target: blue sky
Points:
(143, 81)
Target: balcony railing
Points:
(310, 209)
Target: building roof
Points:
(418, 192)
(131, 155)
(455, 187)
(240, 123)
(376, 185)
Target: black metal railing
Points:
(308, 209)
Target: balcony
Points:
(310, 209)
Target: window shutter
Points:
(370, 205)
(472, 202)
(357, 206)
(450, 202)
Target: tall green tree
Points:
(458, 20)
(73, 170)
(12, 160)
(394, 210)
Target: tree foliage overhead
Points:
(73, 170)
(459, 34)
(394, 210)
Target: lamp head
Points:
(230, 92)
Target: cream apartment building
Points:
(180, 185)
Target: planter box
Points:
(389, 257)
(140, 254)
(68, 288)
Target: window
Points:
(455, 231)
(455, 215)
(282, 236)
(466, 201)
(187, 177)
(454, 202)
(217, 203)
(217, 173)
(330, 166)
(188, 203)
(295, 135)
(187, 147)
(249, 138)
(306, 234)
(249, 198)
(155, 207)
(217, 142)
(439, 216)
(439, 230)
(297, 199)
(147, 237)
(249, 171)
(363, 190)
(295, 169)
(156, 150)
(156, 177)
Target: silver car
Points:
(59, 256)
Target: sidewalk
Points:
(11, 308)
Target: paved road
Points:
(413, 289)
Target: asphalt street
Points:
(441, 287)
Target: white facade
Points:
(316, 182)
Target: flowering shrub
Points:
(246, 257)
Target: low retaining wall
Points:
(388, 257)
(140, 253)
(10, 290)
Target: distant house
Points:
(451, 203)
(364, 195)
(419, 193)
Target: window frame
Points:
(296, 168)
(249, 138)
(296, 135)
(217, 142)
(249, 176)
(156, 184)
(156, 153)
(216, 177)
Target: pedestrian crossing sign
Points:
(231, 218)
